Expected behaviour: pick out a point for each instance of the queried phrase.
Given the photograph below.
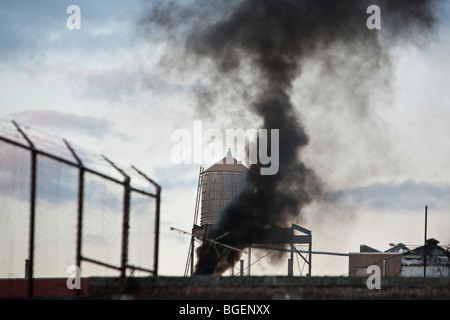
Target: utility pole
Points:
(425, 246)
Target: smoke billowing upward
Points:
(272, 39)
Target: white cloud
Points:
(99, 127)
(407, 195)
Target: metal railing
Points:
(73, 200)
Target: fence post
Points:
(156, 252)
(32, 208)
(157, 214)
(32, 220)
(125, 227)
(78, 255)
(125, 224)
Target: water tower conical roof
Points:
(228, 163)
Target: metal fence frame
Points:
(126, 183)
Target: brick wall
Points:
(214, 287)
(276, 288)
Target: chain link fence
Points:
(62, 206)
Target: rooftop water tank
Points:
(220, 183)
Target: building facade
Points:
(402, 261)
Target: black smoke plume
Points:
(272, 39)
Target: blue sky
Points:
(103, 87)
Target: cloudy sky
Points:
(107, 88)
